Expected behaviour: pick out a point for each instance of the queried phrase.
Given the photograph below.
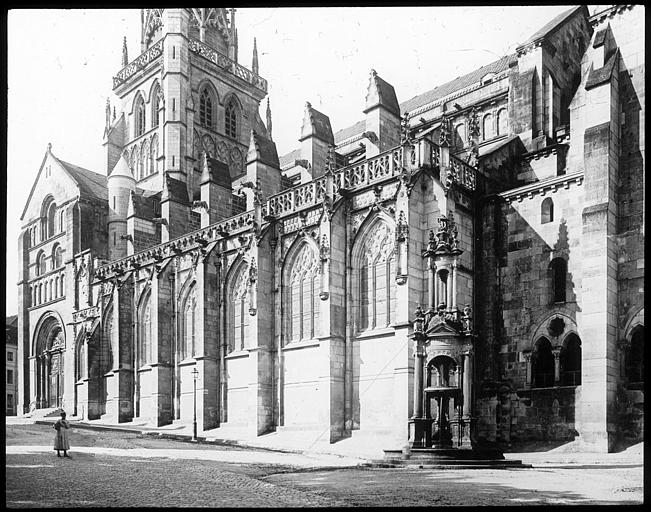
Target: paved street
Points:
(125, 469)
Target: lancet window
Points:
(145, 332)
(140, 116)
(230, 119)
(239, 310)
(205, 108)
(189, 330)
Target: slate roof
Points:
(177, 190)
(266, 150)
(603, 74)
(144, 206)
(551, 26)
(90, 183)
(219, 172)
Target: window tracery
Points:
(231, 119)
(140, 116)
(302, 298)
(205, 108)
(376, 286)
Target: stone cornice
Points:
(542, 187)
(599, 17)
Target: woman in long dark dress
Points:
(61, 441)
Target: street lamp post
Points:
(195, 374)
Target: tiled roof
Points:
(457, 84)
(12, 321)
(347, 133)
(90, 183)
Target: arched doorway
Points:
(443, 399)
(49, 350)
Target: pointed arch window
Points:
(239, 311)
(231, 119)
(634, 359)
(188, 346)
(547, 211)
(140, 116)
(155, 106)
(205, 108)
(570, 359)
(376, 286)
(558, 267)
(302, 322)
(542, 362)
(145, 333)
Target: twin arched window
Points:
(376, 285)
(189, 328)
(542, 364)
(547, 211)
(571, 361)
(302, 301)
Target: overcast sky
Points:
(60, 64)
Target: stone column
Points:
(454, 285)
(418, 381)
(33, 380)
(467, 398)
(527, 358)
(431, 283)
(557, 365)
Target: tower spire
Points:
(125, 55)
(269, 119)
(254, 62)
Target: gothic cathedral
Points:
(464, 268)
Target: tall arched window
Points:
(140, 116)
(376, 285)
(460, 136)
(571, 361)
(488, 127)
(542, 362)
(155, 105)
(145, 338)
(189, 324)
(502, 122)
(81, 359)
(547, 210)
(144, 159)
(230, 119)
(238, 312)
(57, 257)
(40, 264)
(303, 295)
(62, 220)
(558, 267)
(205, 108)
(153, 154)
(634, 359)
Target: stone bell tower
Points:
(184, 95)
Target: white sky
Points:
(60, 64)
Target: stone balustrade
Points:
(47, 288)
(227, 64)
(144, 60)
(383, 167)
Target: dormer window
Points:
(487, 78)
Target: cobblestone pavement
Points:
(123, 469)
